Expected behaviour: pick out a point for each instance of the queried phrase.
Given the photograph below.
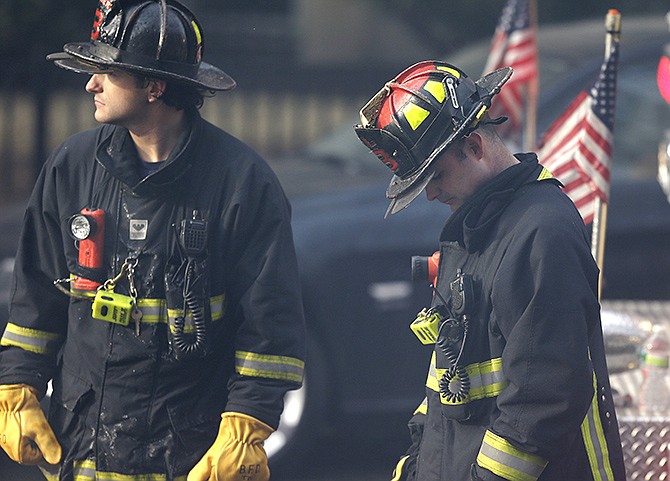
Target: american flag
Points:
(577, 148)
(514, 45)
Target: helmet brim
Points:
(401, 191)
(79, 58)
(399, 202)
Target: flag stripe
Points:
(577, 147)
(513, 45)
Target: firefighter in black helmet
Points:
(517, 386)
(156, 281)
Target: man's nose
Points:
(432, 192)
(93, 84)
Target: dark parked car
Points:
(365, 370)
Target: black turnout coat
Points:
(122, 403)
(539, 404)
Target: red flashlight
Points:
(425, 268)
(88, 228)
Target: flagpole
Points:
(533, 88)
(599, 225)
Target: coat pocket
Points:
(68, 408)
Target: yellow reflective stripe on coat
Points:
(545, 174)
(86, 471)
(594, 440)
(155, 311)
(398, 471)
(486, 380)
(270, 366)
(217, 308)
(423, 407)
(507, 461)
(33, 340)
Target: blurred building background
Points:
(303, 66)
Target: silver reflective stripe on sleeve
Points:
(33, 340)
(270, 366)
(507, 461)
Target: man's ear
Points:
(473, 145)
(156, 89)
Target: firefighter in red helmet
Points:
(176, 327)
(517, 386)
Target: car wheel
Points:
(301, 421)
(294, 411)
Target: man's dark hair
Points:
(183, 97)
(487, 128)
(178, 95)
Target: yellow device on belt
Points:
(426, 325)
(112, 307)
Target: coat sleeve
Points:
(270, 341)
(545, 306)
(38, 311)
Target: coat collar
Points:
(116, 152)
(470, 224)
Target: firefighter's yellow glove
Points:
(237, 453)
(25, 434)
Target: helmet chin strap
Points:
(496, 121)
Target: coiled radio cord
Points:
(454, 384)
(196, 344)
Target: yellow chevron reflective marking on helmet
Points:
(414, 114)
(595, 442)
(507, 461)
(270, 366)
(452, 71)
(436, 89)
(198, 35)
(545, 174)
